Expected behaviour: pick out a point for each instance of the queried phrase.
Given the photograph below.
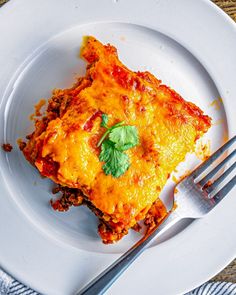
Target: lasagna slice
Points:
(64, 145)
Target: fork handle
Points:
(103, 281)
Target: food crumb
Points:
(176, 190)
(174, 206)
(203, 150)
(38, 107)
(174, 178)
(21, 144)
(7, 147)
(137, 227)
(217, 103)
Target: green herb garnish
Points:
(116, 162)
(114, 142)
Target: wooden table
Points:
(229, 273)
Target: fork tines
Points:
(208, 186)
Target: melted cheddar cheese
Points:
(168, 128)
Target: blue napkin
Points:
(10, 286)
(215, 288)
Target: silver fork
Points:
(195, 199)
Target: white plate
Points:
(179, 41)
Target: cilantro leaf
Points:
(116, 162)
(124, 137)
(116, 139)
(104, 124)
(104, 121)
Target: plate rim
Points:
(218, 10)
